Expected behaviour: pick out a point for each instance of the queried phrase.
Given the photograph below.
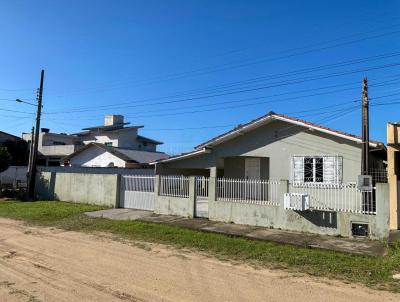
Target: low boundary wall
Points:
(318, 222)
(104, 189)
(101, 189)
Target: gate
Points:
(137, 192)
(201, 204)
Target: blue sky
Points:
(189, 70)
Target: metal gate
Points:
(201, 205)
(137, 192)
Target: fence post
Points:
(212, 192)
(284, 189)
(192, 196)
(118, 193)
(382, 210)
(157, 185)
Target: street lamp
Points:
(25, 102)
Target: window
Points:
(55, 143)
(316, 169)
(108, 144)
(313, 169)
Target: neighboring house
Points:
(101, 155)
(53, 147)
(114, 134)
(278, 147)
(114, 145)
(393, 141)
(4, 137)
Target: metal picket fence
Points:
(336, 197)
(175, 186)
(251, 191)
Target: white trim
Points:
(289, 120)
(187, 155)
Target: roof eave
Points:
(179, 157)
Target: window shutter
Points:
(298, 169)
(332, 169)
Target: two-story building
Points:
(52, 147)
(114, 144)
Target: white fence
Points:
(249, 191)
(202, 184)
(336, 197)
(175, 186)
(137, 192)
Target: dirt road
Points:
(42, 264)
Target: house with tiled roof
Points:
(114, 144)
(276, 147)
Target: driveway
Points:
(43, 264)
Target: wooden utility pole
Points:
(30, 152)
(365, 129)
(32, 171)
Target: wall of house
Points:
(96, 157)
(123, 138)
(278, 141)
(101, 189)
(234, 167)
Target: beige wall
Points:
(393, 139)
(101, 189)
(278, 141)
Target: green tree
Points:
(5, 159)
(18, 151)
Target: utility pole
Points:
(365, 129)
(32, 171)
(30, 152)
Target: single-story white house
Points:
(100, 155)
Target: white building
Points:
(53, 147)
(114, 145)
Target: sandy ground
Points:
(42, 264)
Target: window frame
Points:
(332, 169)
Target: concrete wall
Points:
(318, 222)
(393, 157)
(101, 189)
(278, 141)
(168, 205)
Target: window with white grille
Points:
(316, 169)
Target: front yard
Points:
(376, 272)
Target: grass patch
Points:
(375, 272)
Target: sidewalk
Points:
(348, 245)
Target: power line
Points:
(217, 88)
(271, 85)
(227, 67)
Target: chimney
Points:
(114, 120)
(45, 130)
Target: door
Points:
(252, 168)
